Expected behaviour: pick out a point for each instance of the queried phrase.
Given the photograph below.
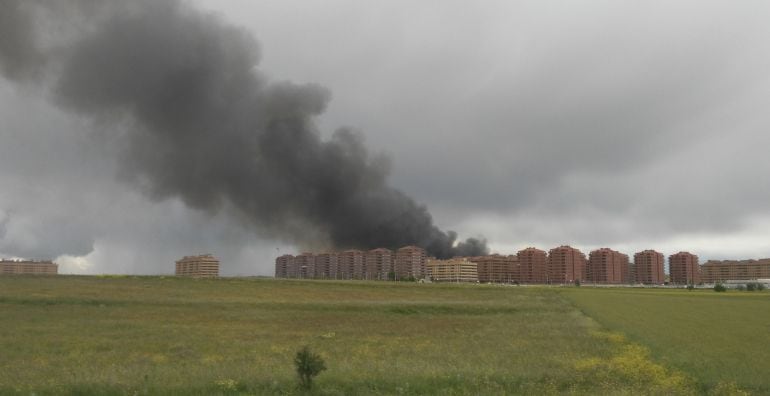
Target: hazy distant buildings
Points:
(497, 268)
(409, 263)
(458, 269)
(714, 271)
(565, 265)
(283, 264)
(649, 268)
(305, 265)
(379, 263)
(561, 265)
(351, 264)
(683, 268)
(326, 266)
(203, 266)
(28, 267)
(532, 265)
(607, 266)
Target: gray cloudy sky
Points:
(631, 125)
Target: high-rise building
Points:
(283, 265)
(409, 262)
(607, 266)
(326, 266)
(648, 268)
(683, 268)
(379, 263)
(28, 267)
(305, 263)
(495, 268)
(714, 271)
(202, 266)
(532, 265)
(458, 269)
(565, 265)
(351, 264)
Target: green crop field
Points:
(714, 337)
(164, 335)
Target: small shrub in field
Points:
(308, 365)
(751, 286)
(577, 283)
(743, 288)
(760, 286)
(690, 286)
(720, 288)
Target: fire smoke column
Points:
(177, 84)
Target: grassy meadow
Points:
(166, 335)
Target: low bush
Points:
(720, 288)
(308, 365)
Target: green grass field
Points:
(715, 337)
(165, 335)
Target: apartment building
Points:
(283, 266)
(649, 268)
(201, 266)
(683, 268)
(458, 269)
(379, 263)
(532, 265)
(607, 266)
(351, 264)
(714, 271)
(496, 268)
(326, 265)
(28, 267)
(305, 265)
(565, 265)
(410, 263)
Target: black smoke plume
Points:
(201, 123)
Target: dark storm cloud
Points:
(20, 56)
(595, 123)
(199, 122)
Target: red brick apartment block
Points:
(532, 265)
(496, 268)
(607, 266)
(351, 264)
(648, 267)
(683, 268)
(28, 267)
(566, 265)
(379, 262)
(326, 266)
(714, 271)
(410, 261)
(305, 264)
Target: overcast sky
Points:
(631, 125)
